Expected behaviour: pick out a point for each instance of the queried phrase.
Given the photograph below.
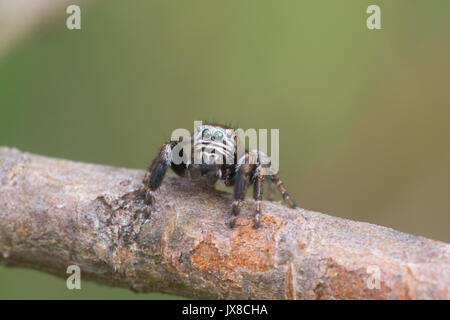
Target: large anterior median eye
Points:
(206, 134)
(218, 135)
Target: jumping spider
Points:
(217, 142)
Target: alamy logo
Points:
(216, 145)
(73, 22)
(74, 280)
(374, 20)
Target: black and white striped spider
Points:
(216, 158)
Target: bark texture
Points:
(55, 213)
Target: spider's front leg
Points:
(257, 195)
(240, 188)
(246, 172)
(157, 170)
(271, 190)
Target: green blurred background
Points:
(363, 115)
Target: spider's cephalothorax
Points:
(214, 155)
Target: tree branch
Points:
(54, 213)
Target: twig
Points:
(55, 213)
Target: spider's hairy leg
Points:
(257, 195)
(240, 189)
(271, 190)
(276, 180)
(212, 176)
(156, 172)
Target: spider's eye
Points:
(206, 133)
(218, 135)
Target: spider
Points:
(217, 146)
